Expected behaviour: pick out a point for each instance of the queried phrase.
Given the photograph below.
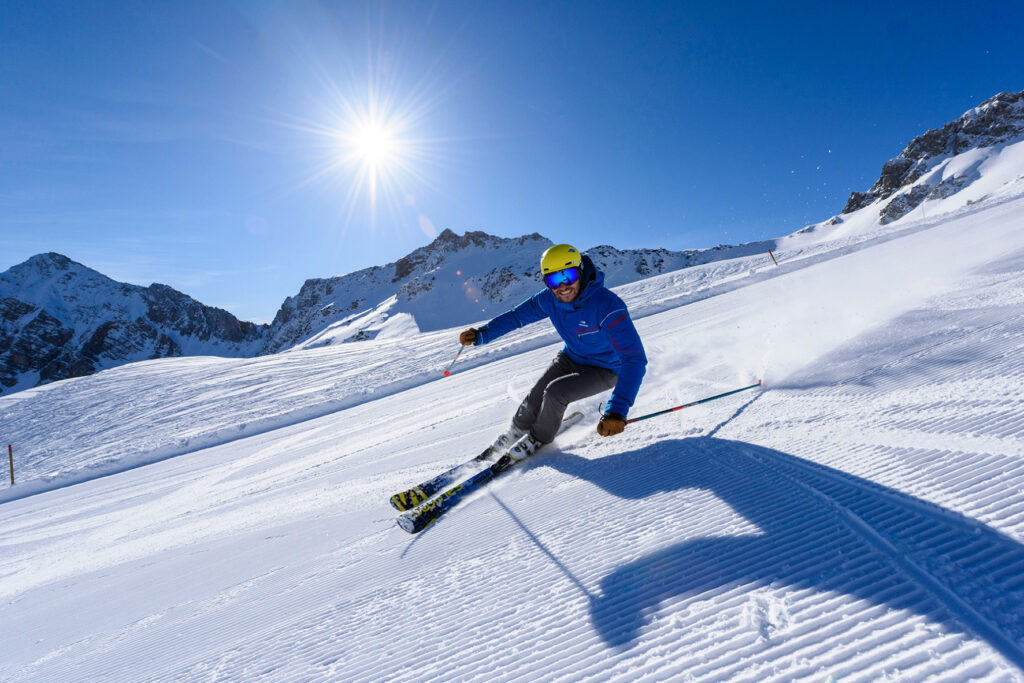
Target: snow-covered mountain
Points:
(924, 169)
(60, 319)
(455, 280)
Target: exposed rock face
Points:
(995, 121)
(454, 280)
(440, 285)
(59, 319)
(903, 204)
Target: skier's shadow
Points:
(817, 528)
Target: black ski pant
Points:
(564, 381)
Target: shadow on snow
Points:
(820, 528)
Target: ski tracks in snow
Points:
(861, 520)
(946, 419)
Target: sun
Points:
(373, 147)
(375, 143)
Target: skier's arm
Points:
(530, 311)
(623, 336)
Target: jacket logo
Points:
(583, 323)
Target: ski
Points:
(406, 500)
(427, 513)
(410, 498)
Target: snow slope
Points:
(862, 518)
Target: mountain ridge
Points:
(54, 325)
(60, 319)
(451, 281)
(997, 120)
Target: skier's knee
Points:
(556, 393)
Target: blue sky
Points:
(209, 145)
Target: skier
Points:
(602, 350)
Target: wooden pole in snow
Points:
(10, 455)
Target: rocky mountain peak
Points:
(448, 244)
(44, 267)
(61, 319)
(997, 120)
(454, 280)
(49, 260)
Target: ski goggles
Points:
(567, 276)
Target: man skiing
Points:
(602, 350)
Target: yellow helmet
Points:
(560, 257)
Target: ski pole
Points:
(687, 405)
(448, 370)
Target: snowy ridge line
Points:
(527, 342)
(1007, 194)
(794, 261)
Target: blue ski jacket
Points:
(596, 328)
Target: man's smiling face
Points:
(567, 293)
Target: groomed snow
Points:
(861, 518)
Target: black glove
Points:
(611, 424)
(469, 337)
